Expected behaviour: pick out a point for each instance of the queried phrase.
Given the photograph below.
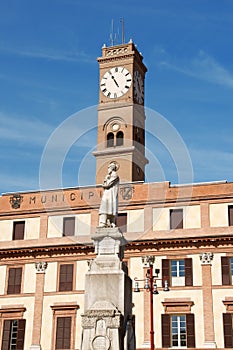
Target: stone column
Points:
(38, 305)
(209, 336)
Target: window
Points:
(66, 277)
(179, 337)
(69, 226)
(178, 331)
(176, 219)
(228, 330)
(14, 280)
(227, 270)
(178, 268)
(110, 139)
(230, 215)
(13, 335)
(18, 230)
(119, 138)
(121, 221)
(178, 272)
(63, 333)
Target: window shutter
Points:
(230, 215)
(166, 270)
(63, 333)
(66, 277)
(225, 262)
(227, 329)
(14, 281)
(18, 230)
(176, 218)
(69, 226)
(166, 331)
(6, 335)
(190, 330)
(188, 272)
(121, 221)
(20, 334)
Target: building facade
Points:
(45, 240)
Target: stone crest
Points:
(16, 200)
(126, 192)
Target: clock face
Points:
(138, 87)
(116, 82)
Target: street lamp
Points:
(150, 285)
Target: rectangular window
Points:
(66, 277)
(13, 335)
(69, 226)
(63, 333)
(227, 270)
(178, 331)
(230, 215)
(228, 330)
(18, 230)
(178, 272)
(176, 219)
(121, 221)
(178, 268)
(178, 327)
(14, 280)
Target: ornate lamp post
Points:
(150, 285)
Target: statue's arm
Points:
(111, 182)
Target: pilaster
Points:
(40, 267)
(209, 335)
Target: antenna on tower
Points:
(122, 30)
(112, 35)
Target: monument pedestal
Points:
(107, 318)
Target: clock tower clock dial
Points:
(116, 82)
(138, 87)
(121, 112)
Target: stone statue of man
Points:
(109, 202)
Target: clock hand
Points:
(114, 80)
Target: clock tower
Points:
(121, 116)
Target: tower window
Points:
(119, 138)
(110, 139)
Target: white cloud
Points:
(203, 67)
(19, 129)
(49, 54)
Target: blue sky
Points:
(48, 72)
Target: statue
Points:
(109, 202)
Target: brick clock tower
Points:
(121, 116)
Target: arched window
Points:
(110, 139)
(119, 138)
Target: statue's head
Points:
(113, 166)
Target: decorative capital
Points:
(41, 266)
(148, 260)
(206, 258)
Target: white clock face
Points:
(138, 87)
(116, 82)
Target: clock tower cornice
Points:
(120, 53)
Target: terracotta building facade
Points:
(46, 246)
